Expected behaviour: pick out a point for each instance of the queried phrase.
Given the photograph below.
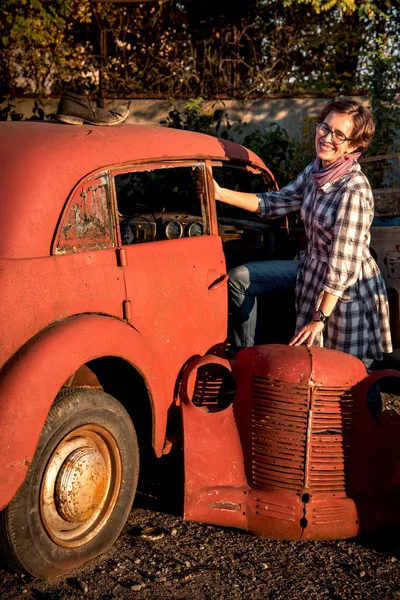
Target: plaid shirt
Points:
(337, 220)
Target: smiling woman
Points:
(330, 142)
(341, 300)
(342, 133)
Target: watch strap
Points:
(320, 317)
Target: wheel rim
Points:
(80, 486)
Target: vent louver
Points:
(300, 436)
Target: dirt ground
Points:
(159, 556)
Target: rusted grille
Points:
(279, 434)
(331, 427)
(324, 515)
(281, 456)
(214, 388)
(206, 390)
(276, 511)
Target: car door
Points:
(175, 273)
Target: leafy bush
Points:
(386, 114)
(194, 118)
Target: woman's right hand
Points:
(307, 334)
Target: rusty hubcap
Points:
(80, 486)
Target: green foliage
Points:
(194, 118)
(40, 48)
(366, 7)
(274, 146)
(385, 110)
(171, 50)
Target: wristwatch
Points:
(319, 316)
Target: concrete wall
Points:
(288, 113)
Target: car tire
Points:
(79, 488)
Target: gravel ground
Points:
(158, 556)
(197, 561)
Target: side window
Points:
(87, 223)
(164, 203)
(241, 180)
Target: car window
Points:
(245, 237)
(87, 223)
(241, 180)
(164, 203)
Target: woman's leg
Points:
(249, 281)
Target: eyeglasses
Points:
(337, 137)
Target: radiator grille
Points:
(281, 456)
(330, 439)
(279, 433)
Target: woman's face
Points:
(327, 149)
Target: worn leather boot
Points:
(76, 110)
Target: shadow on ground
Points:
(161, 484)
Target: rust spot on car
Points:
(224, 505)
(26, 463)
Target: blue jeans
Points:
(246, 283)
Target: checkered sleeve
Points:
(288, 199)
(350, 236)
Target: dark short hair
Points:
(364, 126)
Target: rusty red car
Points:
(114, 261)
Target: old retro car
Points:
(113, 317)
(113, 276)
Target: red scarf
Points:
(333, 171)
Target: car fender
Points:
(33, 377)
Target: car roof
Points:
(43, 161)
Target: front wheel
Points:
(79, 489)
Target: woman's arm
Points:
(244, 200)
(350, 238)
(269, 204)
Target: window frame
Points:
(206, 212)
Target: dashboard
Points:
(243, 240)
(151, 227)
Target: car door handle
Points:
(222, 280)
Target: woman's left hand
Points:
(307, 334)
